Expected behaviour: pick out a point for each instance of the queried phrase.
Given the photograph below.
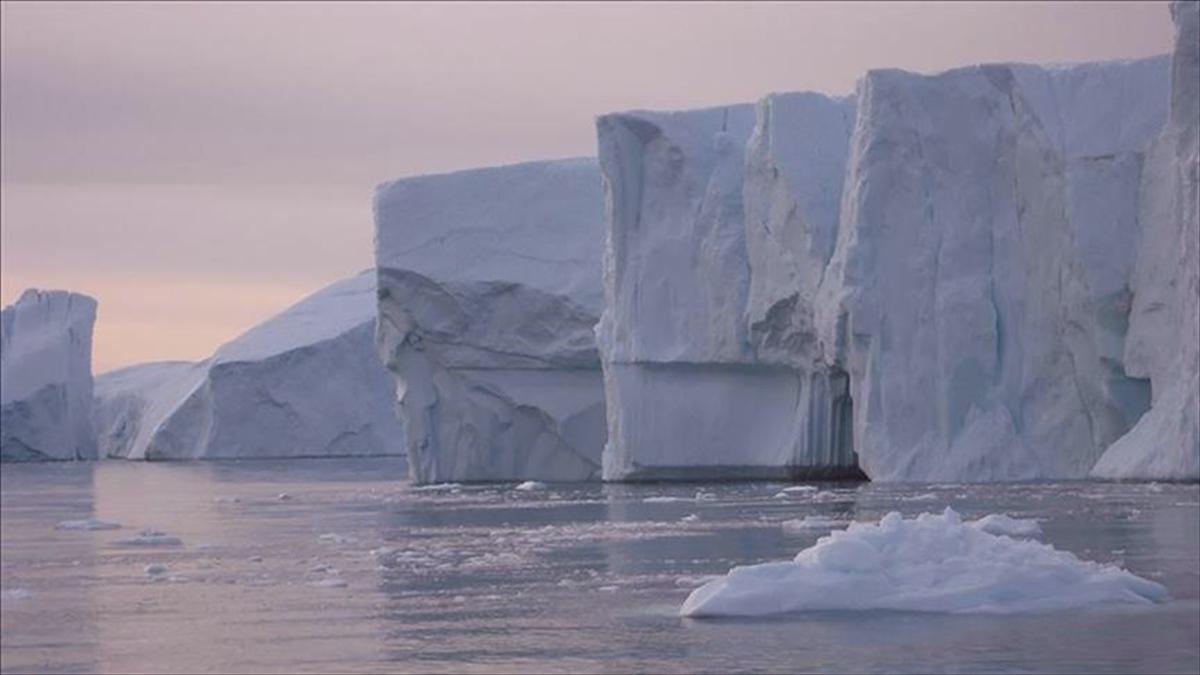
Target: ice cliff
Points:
(489, 291)
(305, 383)
(46, 377)
(930, 280)
(1164, 326)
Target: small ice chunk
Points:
(702, 496)
(87, 524)
(332, 582)
(812, 523)
(155, 569)
(334, 538)
(438, 487)
(690, 518)
(608, 589)
(530, 486)
(283, 496)
(931, 563)
(664, 500)
(1000, 523)
(150, 538)
(794, 489)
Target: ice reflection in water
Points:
(357, 572)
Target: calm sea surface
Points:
(342, 566)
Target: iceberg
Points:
(978, 294)
(46, 377)
(719, 224)
(929, 280)
(489, 292)
(931, 563)
(1164, 323)
(305, 383)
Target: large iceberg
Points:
(489, 291)
(46, 377)
(931, 563)
(929, 280)
(719, 224)
(305, 383)
(1164, 325)
(978, 292)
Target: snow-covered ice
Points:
(46, 377)
(305, 383)
(530, 486)
(931, 563)
(489, 291)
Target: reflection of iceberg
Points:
(932, 563)
(489, 288)
(305, 383)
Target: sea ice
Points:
(931, 563)
(530, 486)
(1000, 523)
(87, 524)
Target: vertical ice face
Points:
(714, 252)
(489, 292)
(978, 292)
(305, 383)
(46, 377)
(1164, 325)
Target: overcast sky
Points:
(198, 167)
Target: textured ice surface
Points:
(489, 290)
(46, 377)
(718, 229)
(305, 383)
(931, 563)
(1164, 324)
(930, 279)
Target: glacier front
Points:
(46, 377)
(305, 383)
(489, 291)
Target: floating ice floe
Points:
(87, 524)
(999, 523)
(931, 563)
(813, 523)
(530, 486)
(150, 538)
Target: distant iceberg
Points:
(305, 383)
(931, 563)
(46, 377)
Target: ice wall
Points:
(305, 383)
(1164, 327)
(46, 377)
(489, 291)
(719, 224)
(978, 292)
(930, 280)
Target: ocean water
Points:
(342, 566)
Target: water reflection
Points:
(484, 578)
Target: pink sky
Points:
(197, 167)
